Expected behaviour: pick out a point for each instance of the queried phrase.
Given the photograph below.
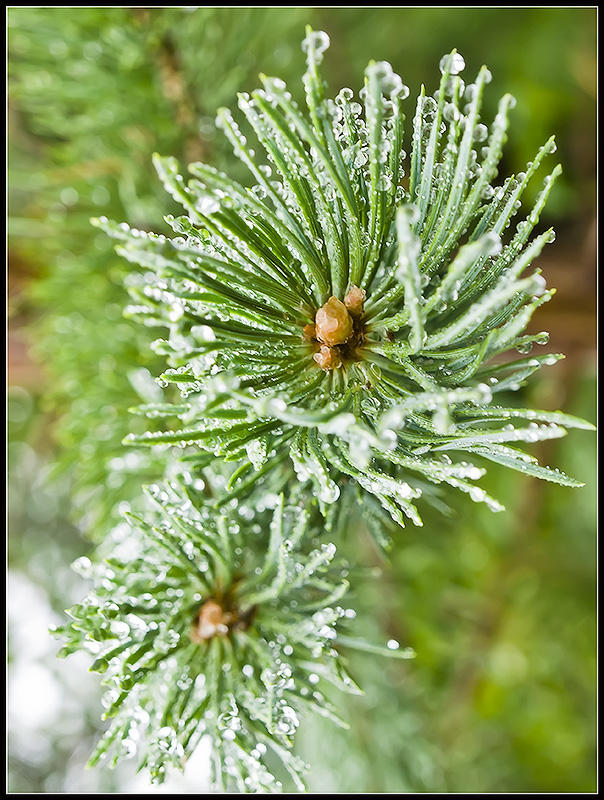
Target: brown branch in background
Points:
(570, 317)
(175, 90)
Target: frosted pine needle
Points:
(225, 626)
(345, 311)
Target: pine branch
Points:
(219, 626)
(329, 330)
(91, 150)
(329, 314)
(342, 336)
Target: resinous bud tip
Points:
(354, 301)
(327, 358)
(333, 323)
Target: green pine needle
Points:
(217, 626)
(428, 283)
(348, 324)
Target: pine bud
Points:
(333, 323)
(327, 358)
(354, 301)
(309, 332)
(212, 621)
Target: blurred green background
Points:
(500, 608)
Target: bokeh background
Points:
(499, 607)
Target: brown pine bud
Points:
(354, 301)
(327, 358)
(309, 332)
(333, 323)
(213, 620)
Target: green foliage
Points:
(315, 450)
(76, 147)
(85, 149)
(333, 316)
(500, 609)
(442, 295)
(214, 626)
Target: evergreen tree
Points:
(337, 331)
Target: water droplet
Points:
(316, 42)
(477, 494)
(455, 62)
(360, 159)
(129, 748)
(82, 565)
(345, 95)
(451, 112)
(480, 133)
(384, 183)
(539, 284)
(492, 243)
(524, 347)
(390, 83)
(207, 205)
